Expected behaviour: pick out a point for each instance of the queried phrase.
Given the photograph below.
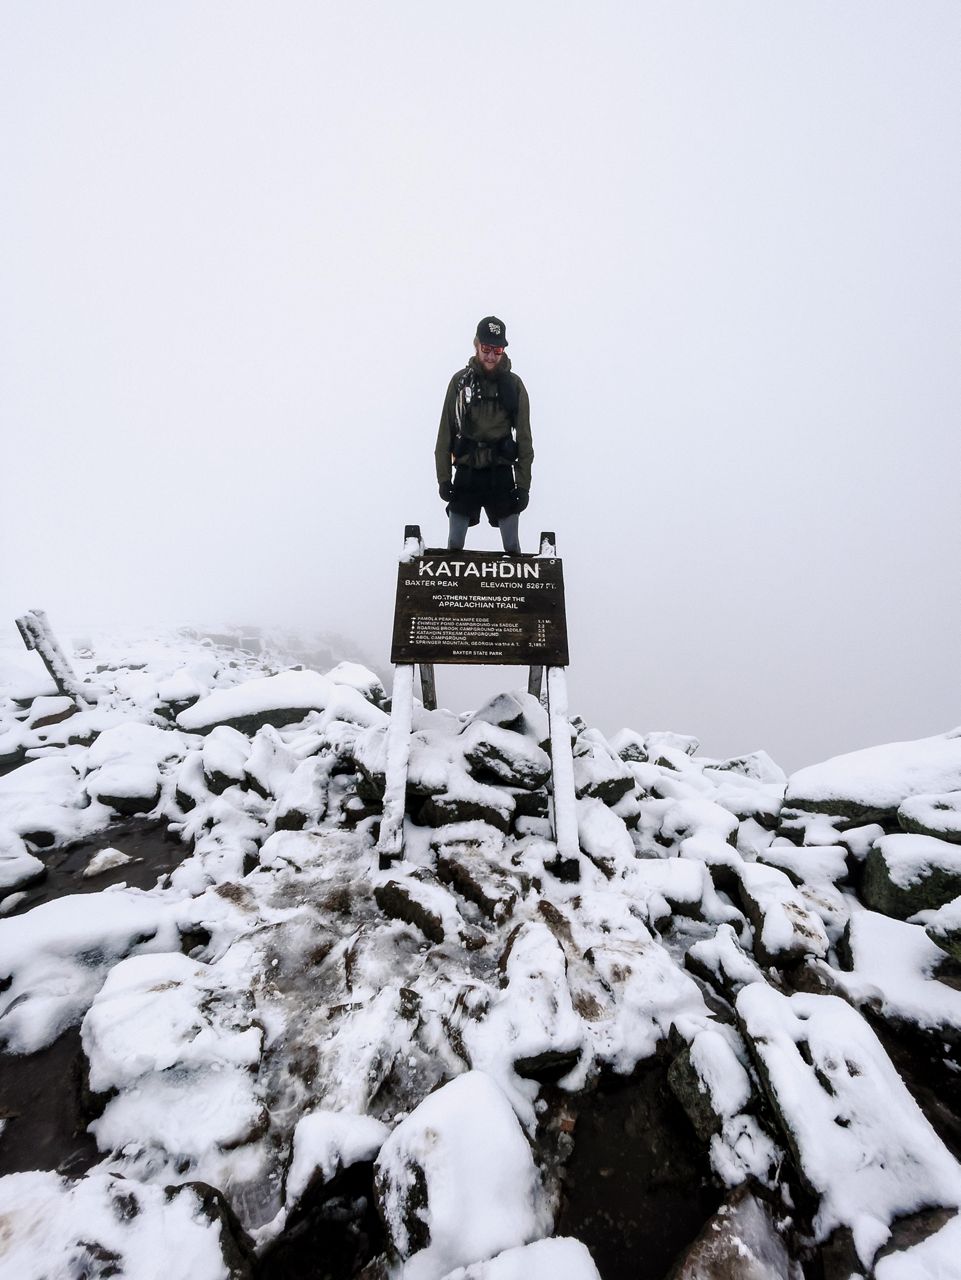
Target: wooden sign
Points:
(479, 607)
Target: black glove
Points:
(520, 498)
(446, 490)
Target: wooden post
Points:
(535, 677)
(428, 689)
(390, 844)
(562, 766)
(37, 634)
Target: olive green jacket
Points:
(487, 422)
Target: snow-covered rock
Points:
(280, 700)
(456, 1181)
(904, 874)
(103, 1225)
(871, 785)
(861, 1142)
(559, 1258)
(937, 815)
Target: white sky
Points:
(244, 247)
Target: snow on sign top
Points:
(480, 607)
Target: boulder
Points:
(905, 874)
(785, 931)
(422, 901)
(944, 928)
(742, 1241)
(938, 815)
(456, 1182)
(507, 757)
(709, 1081)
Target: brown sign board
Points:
(479, 607)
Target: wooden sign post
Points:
(478, 608)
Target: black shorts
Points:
(490, 488)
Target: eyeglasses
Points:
(491, 351)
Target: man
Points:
(485, 438)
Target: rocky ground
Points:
(722, 1041)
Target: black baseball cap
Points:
(492, 332)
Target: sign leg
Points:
(390, 844)
(535, 681)
(428, 689)
(562, 766)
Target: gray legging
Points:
(508, 526)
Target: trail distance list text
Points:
(475, 607)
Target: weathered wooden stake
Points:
(390, 844)
(562, 766)
(428, 689)
(37, 634)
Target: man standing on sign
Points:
(485, 439)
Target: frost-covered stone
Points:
(469, 873)
(419, 899)
(559, 1258)
(56, 957)
(179, 1045)
(938, 815)
(19, 869)
(599, 773)
(709, 1081)
(270, 764)
(224, 754)
(102, 1225)
(326, 1142)
(354, 675)
(933, 1258)
(44, 802)
(302, 798)
(872, 784)
(509, 757)
(860, 1140)
(531, 1029)
(785, 930)
(603, 836)
(891, 969)
(740, 1242)
(904, 874)
(697, 817)
(721, 961)
(279, 700)
(824, 864)
(944, 927)
(503, 710)
(456, 1182)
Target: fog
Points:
(245, 246)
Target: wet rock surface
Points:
(237, 999)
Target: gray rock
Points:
(490, 751)
(439, 811)
(741, 1242)
(937, 815)
(467, 871)
(904, 874)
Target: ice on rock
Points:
(742, 1241)
(532, 1029)
(178, 1042)
(104, 1225)
(861, 1142)
(559, 1258)
(160, 1011)
(57, 955)
(456, 1181)
(326, 1142)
